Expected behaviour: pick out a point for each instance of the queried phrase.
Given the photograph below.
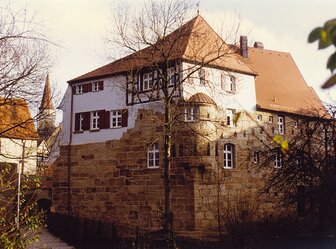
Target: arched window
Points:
(228, 156)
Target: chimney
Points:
(243, 46)
(258, 45)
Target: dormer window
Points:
(79, 89)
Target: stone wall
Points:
(110, 181)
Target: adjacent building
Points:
(225, 99)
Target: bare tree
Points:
(158, 41)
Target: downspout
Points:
(69, 152)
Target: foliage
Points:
(326, 36)
(306, 178)
(14, 235)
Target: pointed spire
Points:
(46, 102)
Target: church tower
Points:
(47, 113)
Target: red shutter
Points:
(124, 118)
(86, 120)
(101, 85)
(104, 119)
(89, 87)
(77, 117)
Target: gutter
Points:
(69, 153)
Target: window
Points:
(171, 76)
(116, 119)
(231, 86)
(259, 117)
(81, 122)
(147, 81)
(281, 125)
(95, 86)
(277, 159)
(270, 119)
(153, 156)
(190, 79)
(296, 124)
(201, 74)
(256, 157)
(223, 81)
(230, 117)
(79, 89)
(94, 120)
(191, 114)
(228, 156)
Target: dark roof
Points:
(16, 120)
(194, 41)
(280, 85)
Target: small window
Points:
(95, 86)
(223, 81)
(190, 76)
(231, 85)
(171, 76)
(201, 74)
(296, 124)
(116, 119)
(153, 156)
(79, 89)
(256, 157)
(277, 159)
(270, 119)
(281, 125)
(259, 117)
(94, 120)
(228, 156)
(147, 81)
(191, 114)
(230, 117)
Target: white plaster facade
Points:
(113, 97)
(18, 151)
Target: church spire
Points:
(46, 102)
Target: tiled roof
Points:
(201, 98)
(16, 120)
(280, 85)
(46, 102)
(195, 42)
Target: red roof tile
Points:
(280, 85)
(195, 42)
(16, 120)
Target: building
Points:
(18, 137)
(224, 98)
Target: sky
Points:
(79, 27)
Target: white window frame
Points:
(223, 81)
(230, 117)
(95, 86)
(116, 119)
(95, 120)
(147, 81)
(281, 125)
(171, 74)
(79, 89)
(228, 156)
(191, 114)
(231, 85)
(277, 159)
(153, 156)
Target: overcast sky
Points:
(79, 26)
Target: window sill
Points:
(94, 130)
(156, 167)
(117, 127)
(78, 132)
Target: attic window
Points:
(259, 117)
(79, 89)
